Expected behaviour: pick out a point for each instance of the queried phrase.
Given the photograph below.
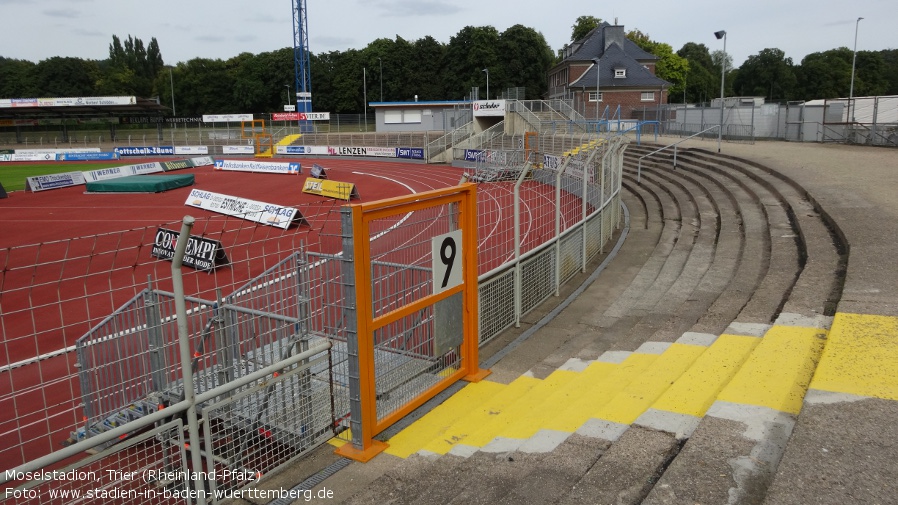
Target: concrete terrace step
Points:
(765, 391)
(826, 252)
(785, 253)
(617, 412)
(733, 452)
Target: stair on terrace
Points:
(679, 384)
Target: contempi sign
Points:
(201, 253)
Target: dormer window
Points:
(620, 73)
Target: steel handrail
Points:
(674, 145)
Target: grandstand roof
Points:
(42, 108)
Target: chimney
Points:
(613, 35)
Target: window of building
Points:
(399, 116)
(594, 98)
(620, 73)
(648, 96)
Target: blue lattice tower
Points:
(301, 57)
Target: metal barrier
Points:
(414, 324)
(130, 361)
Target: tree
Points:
(526, 59)
(769, 73)
(720, 59)
(65, 77)
(671, 67)
(131, 67)
(583, 25)
(889, 72)
(429, 57)
(825, 74)
(470, 51)
(870, 74)
(701, 82)
(15, 78)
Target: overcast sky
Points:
(35, 30)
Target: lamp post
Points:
(853, 60)
(288, 93)
(171, 82)
(381, 79)
(487, 82)
(365, 96)
(722, 34)
(598, 92)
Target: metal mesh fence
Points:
(89, 326)
(149, 468)
(53, 294)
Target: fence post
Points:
(517, 253)
(155, 340)
(362, 416)
(186, 363)
(559, 171)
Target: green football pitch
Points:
(12, 176)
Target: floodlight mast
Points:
(722, 34)
(853, 61)
(301, 64)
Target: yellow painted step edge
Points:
(695, 391)
(779, 370)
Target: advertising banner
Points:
(412, 153)
(86, 101)
(474, 155)
(123, 171)
(188, 150)
(202, 161)
(54, 181)
(226, 118)
(269, 167)
(552, 162)
(383, 152)
(58, 150)
(332, 189)
(201, 253)
(241, 150)
(145, 151)
(33, 156)
(301, 116)
(168, 166)
(251, 210)
(576, 169)
(489, 108)
(318, 172)
(87, 156)
(319, 150)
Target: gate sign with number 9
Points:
(447, 267)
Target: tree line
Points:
(400, 70)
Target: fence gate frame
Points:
(360, 326)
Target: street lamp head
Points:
(486, 70)
(721, 34)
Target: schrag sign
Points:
(201, 253)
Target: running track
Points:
(39, 400)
